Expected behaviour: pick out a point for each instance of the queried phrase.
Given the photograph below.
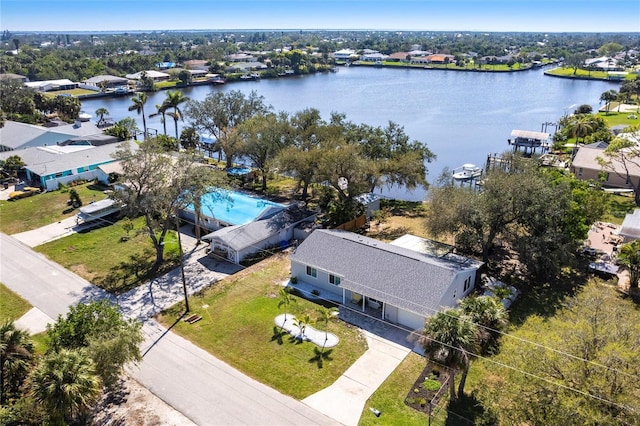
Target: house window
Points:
(580, 171)
(334, 280)
(628, 181)
(606, 177)
(467, 284)
(312, 272)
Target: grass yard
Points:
(619, 206)
(42, 209)
(238, 327)
(101, 257)
(615, 118)
(12, 306)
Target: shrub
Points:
(293, 280)
(431, 385)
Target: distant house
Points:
(51, 85)
(11, 76)
(345, 54)
(109, 81)
(240, 57)
(152, 74)
(16, 136)
(374, 57)
(235, 243)
(196, 64)
(165, 65)
(586, 166)
(403, 282)
(49, 166)
(398, 57)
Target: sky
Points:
(397, 15)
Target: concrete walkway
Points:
(197, 384)
(345, 399)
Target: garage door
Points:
(410, 320)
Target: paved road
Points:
(206, 390)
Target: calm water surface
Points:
(461, 116)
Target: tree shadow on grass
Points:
(320, 356)
(278, 335)
(467, 411)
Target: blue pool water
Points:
(237, 208)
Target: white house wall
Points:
(409, 319)
(456, 291)
(299, 271)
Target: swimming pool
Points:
(237, 209)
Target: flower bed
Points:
(427, 389)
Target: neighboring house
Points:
(109, 81)
(49, 166)
(11, 76)
(586, 166)
(370, 201)
(240, 57)
(398, 57)
(16, 136)
(401, 281)
(603, 63)
(374, 57)
(109, 172)
(630, 229)
(152, 74)
(196, 64)
(235, 243)
(165, 65)
(50, 85)
(345, 54)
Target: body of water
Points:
(460, 116)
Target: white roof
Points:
(150, 74)
(529, 134)
(61, 82)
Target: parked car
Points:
(27, 191)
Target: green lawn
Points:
(101, 257)
(12, 306)
(619, 206)
(581, 73)
(238, 327)
(614, 118)
(42, 209)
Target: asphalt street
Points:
(204, 389)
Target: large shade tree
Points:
(579, 367)
(158, 186)
(109, 339)
(220, 113)
(622, 157)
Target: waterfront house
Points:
(152, 74)
(50, 166)
(51, 85)
(402, 282)
(586, 165)
(109, 81)
(235, 243)
(16, 136)
(345, 55)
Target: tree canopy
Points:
(159, 185)
(581, 370)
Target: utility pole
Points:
(184, 281)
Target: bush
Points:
(293, 280)
(431, 385)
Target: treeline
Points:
(79, 56)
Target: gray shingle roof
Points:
(402, 277)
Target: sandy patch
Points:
(136, 405)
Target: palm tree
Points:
(581, 125)
(302, 323)
(489, 315)
(16, 356)
(138, 106)
(65, 382)
(285, 300)
(324, 316)
(101, 112)
(608, 97)
(452, 338)
(173, 101)
(162, 110)
(629, 260)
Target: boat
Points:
(97, 210)
(467, 172)
(83, 116)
